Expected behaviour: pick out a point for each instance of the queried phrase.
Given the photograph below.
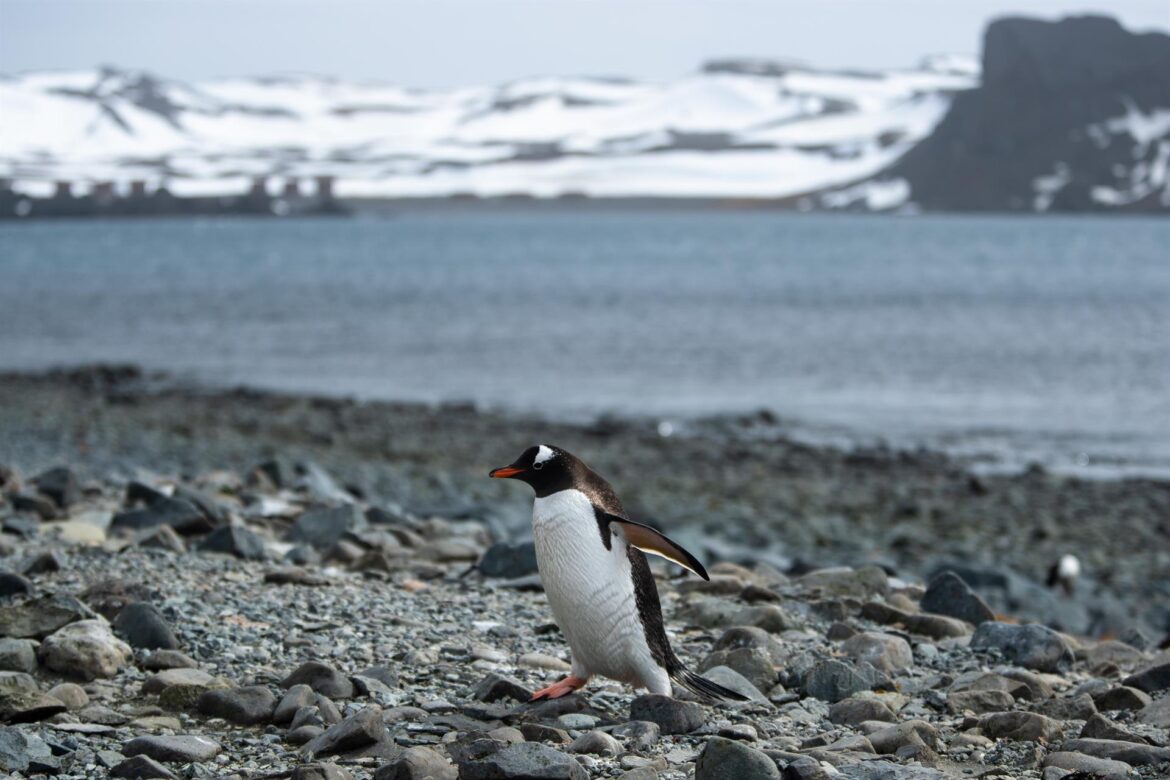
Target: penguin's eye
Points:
(538, 466)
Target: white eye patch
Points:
(543, 454)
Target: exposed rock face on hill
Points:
(1071, 116)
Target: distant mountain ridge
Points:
(1072, 115)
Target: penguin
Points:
(1064, 573)
(592, 562)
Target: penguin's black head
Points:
(547, 469)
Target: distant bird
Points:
(591, 561)
(1064, 573)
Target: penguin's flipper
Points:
(650, 540)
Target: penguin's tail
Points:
(704, 688)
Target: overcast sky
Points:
(449, 42)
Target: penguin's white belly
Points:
(591, 591)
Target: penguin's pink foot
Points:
(559, 689)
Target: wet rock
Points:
(18, 655)
(235, 540)
(671, 715)
(41, 616)
(417, 763)
(324, 527)
(71, 695)
(832, 680)
(495, 687)
(725, 758)
(1122, 698)
(359, 730)
(245, 706)
(142, 767)
(948, 595)
(13, 585)
(526, 760)
(855, 711)
(23, 751)
(1032, 645)
(178, 749)
(1152, 679)
(1097, 768)
(182, 516)
(596, 743)
(168, 659)
(142, 625)
(752, 663)
(322, 678)
(1116, 750)
(1020, 726)
(504, 559)
(884, 652)
(86, 650)
(60, 484)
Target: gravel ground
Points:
(207, 584)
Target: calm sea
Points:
(1023, 338)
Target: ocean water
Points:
(1010, 339)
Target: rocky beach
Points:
(201, 582)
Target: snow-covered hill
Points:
(738, 129)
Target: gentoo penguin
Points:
(1064, 573)
(591, 561)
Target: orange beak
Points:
(505, 472)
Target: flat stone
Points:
(321, 678)
(180, 749)
(24, 751)
(1097, 768)
(1100, 727)
(671, 715)
(832, 680)
(726, 758)
(24, 707)
(157, 683)
(1116, 750)
(884, 652)
(889, 740)
(85, 650)
(358, 731)
(947, 594)
(168, 659)
(142, 767)
(840, 582)
(142, 625)
(1032, 645)
(245, 706)
(41, 616)
(526, 760)
(1021, 726)
(979, 701)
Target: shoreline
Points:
(731, 487)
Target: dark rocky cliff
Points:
(1071, 115)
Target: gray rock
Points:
(303, 735)
(24, 751)
(85, 650)
(889, 740)
(71, 695)
(854, 711)
(245, 706)
(157, 683)
(168, 659)
(324, 527)
(320, 771)
(182, 516)
(1122, 698)
(1151, 679)
(41, 506)
(17, 706)
(752, 637)
(18, 655)
(1021, 726)
(832, 680)
(539, 732)
(805, 768)
(671, 715)
(884, 652)
(527, 761)
(1157, 714)
(842, 582)
(494, 687)
(359, 730)
(41, 616)
(733, 680)
(235, 540)
(752, 663)
(142, 625)
(640, 734)
(882, 770)
(59, 484)
(1116, 750)
(504, 559)
(321, 678)
(161, 537)
(417, 763)
(979, 701)
(1100, 727)
(1032, 645)
(211, 509)
(1073, 708)
(726, 758)
(596, 743)
(1098, 768)
(948, 595)
(141, 767)
(180, 749)
(295, 698)
(14, 585)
